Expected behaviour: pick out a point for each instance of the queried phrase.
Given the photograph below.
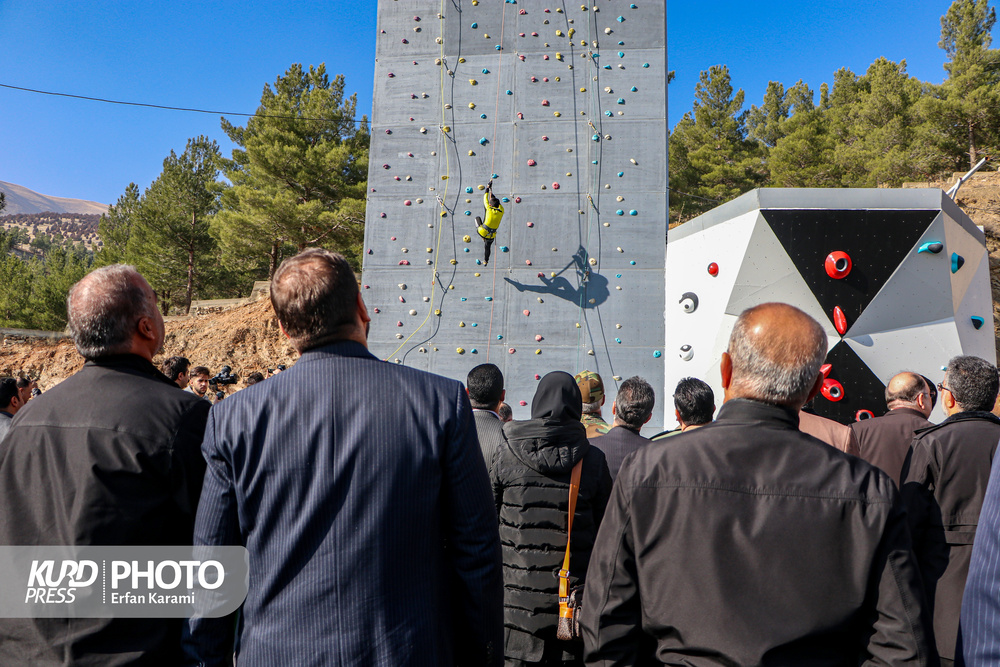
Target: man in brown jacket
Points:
(832, 433)
(885, 441)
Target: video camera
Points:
(224, 376)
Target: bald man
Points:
(748, 542)
(885, 441)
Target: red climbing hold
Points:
(531, 163)
(863, 414)
(838, 264)
(713, 269)
(839, 320)
(832, 390)
(825, 370)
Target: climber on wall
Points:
(494, 214)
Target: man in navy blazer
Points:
(359, 490)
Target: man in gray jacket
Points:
(486, 393)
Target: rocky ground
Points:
(246, 337)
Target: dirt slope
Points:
(246, 338)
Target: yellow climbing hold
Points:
(454, 261)
(577, 325)
(446, 128)
(538, 351)
(559, 33)
(583, 90)
(472, 82)
(461, 60)
(471, 153)
(572, 31)
(481, 186)
(466, 238)
(460, 350)
(556, 114)
(472, 105)
(476, 275)
(461, 324)
(437, 312)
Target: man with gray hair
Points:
(885, 441)
(748, 542)
(631, 409)
(109, 456)
(944, 484)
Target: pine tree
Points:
(299, 174)
(115, 228)
(170, 242)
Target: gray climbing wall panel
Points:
(566, 105)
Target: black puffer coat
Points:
(531, 486)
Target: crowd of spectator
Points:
(395, 517)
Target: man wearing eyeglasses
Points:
(943, 485)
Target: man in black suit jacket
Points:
(633, 407)
(486, 393)
(359, 491)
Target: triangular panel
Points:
(918, 291)
(768, 274)
(725, 245)
(967, 246)
(810, 235)
(862, 389)
(921, 348)
(978, 302)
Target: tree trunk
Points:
(972, 145)
(272, 262)
(190, 281)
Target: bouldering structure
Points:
(899, 279)
(564, 108)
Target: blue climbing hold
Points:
(618, 340)
(505, 199)
(933, 247)
(474, 324)
(510, 92)
(618, 275)
(608, 113)
(474, 26)
(620, 174)
(621, 43)
(633, 212)
(657, 354)
(634, 89)
(468, 190)
(497, 47)
(621, 19)
(485, 71)
(619, 212)
(474, 351)
(956, 262)
(483, 116)
(977, 322)
(645, 64)
(593, 162)
(489, 298)
(499, 337)
(632, 262)
(632, 6)
(504, 248)
(607, 67)
(479, 261)
(468, 212)
(596, 55)
(466, 250)
(621, 54)
(463, 298)
(483, 141)
(621, 100)
(596, 137)
(495, 176)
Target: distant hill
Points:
(22, 200)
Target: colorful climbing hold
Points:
(838, 264)
(832, 390)
(839, 320)
(977, 322)
(956, 262)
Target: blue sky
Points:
(218, 54)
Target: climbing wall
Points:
(564, 107)
(899, 279)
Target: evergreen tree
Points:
(965, 110)
(711, 156)
(115, 228)
(298, 175)
(170, 243)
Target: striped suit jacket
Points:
(359, 490)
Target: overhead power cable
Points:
(170, 108)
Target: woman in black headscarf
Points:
(531, 479)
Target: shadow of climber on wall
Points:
(590, 291)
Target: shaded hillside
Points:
(24, 200)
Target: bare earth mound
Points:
(246, 338)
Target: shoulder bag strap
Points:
(574, 490)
